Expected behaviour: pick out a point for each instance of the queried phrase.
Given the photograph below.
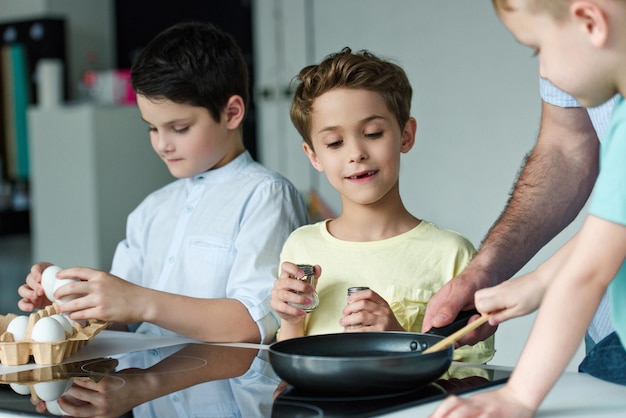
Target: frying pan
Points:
(364, 362)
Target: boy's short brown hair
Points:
(345, 69)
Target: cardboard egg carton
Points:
(14, 353)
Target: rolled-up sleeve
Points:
(273, 211)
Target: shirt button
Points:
(154, 352)
(171, 259)
(175, 398)
(189, 208)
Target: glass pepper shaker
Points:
(309, 277)
(352, 290)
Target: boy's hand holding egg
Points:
(50, 283)
(47, 334)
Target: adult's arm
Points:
(550, 191)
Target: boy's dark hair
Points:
(345, 69)
(194, 63)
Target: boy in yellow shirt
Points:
(353, 112)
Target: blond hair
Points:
(556, 8)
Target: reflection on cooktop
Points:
(38, 390)
(293, 403)
(186, 380)
(183, 363)
(202, 379)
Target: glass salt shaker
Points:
(309, 277)
(352, 290)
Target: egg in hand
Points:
(48, 280)
(50, 283)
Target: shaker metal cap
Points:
(307, 269)
(351, 290)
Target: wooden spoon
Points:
(452, 338)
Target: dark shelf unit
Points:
(14, 222)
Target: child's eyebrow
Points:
(328, 129)
(373, 117)
(364, 120)
(169, 122)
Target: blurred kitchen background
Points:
(89, 162)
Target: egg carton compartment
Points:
(14, 353)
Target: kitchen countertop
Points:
(575, 395)
(243, 375)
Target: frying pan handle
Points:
(459, 322)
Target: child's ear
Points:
(408, 135)
(592, 20)
(235, 112)
(310, 153)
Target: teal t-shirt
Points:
(609, 202)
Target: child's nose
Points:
(357, 153)
(162, 143)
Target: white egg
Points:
(20, 388)
(82, 322)
(63, 282)
(50, 391)
(47, 330)
(61, 319)
(48, 280)
(17, 327)
(54, 408)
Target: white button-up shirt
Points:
(216, 235)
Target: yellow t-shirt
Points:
(406, 270)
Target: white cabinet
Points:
(90, 166)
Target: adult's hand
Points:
(455, 296)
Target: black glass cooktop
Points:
(203, 379)
(459, 379)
